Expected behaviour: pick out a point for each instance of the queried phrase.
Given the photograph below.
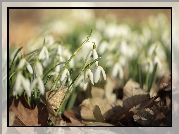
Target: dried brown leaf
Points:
(54, 99)
(88, 106)
(97, 114)
(133, 95)
(30, 117)
(75, 122)
(97, 92)
(109, 87)
(57, 120)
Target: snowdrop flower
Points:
(38, 68)
(158, 61)
(38, 81)
(21, 83)
(94, 54)
(44, 53)
(49, 40)
(81, 83)
(65, 74)
(97, 73)
(88, 76)
(22, 63)
(117, 69)
(29, 68)
(102, 47)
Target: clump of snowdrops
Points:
(29, 73)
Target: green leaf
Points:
(15, 57)
(140, 76)
(151, 78)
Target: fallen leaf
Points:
(133, 95)
(54, 99)
(109, 87)
(75, 122)
(97, 92)
(57, 120)
(30, 117)
(88, 106)
(97, 114)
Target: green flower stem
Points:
(72, 85)
(35, 93)
(67, 63)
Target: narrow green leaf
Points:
(15, 57)
(140, 76)
(151, 78)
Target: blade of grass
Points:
(151, 78)
(140, 76)
(15, 57)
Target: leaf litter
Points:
(104, 108)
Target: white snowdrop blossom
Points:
(20, 84)
(44, 53)
(22, 63)
(49, 40)
(97, 73)
(88, 76)
(117, 69)
(102, 47)
(95, 55)
(65, 74)
(81, 83)
(38, 68)
(158, 61)
(38, 81)
(29, 67)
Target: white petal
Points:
(115, 70)
(29, 68)
(88, 75)
(79, 81)
(71, 64)
(88, 56)
(64, 74)
(121, 72)
(95, 56)
(59, 50)
(91, 77)
(46, 53)
(103, 47)
(38, 69)
(17, 86)
(57, 68)
(34, 84)
(97, 74)
(85, 86)
(26, 85)
(21, 63)
(103, 72)
(40, 85)
(42, 54)
(64, 81)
